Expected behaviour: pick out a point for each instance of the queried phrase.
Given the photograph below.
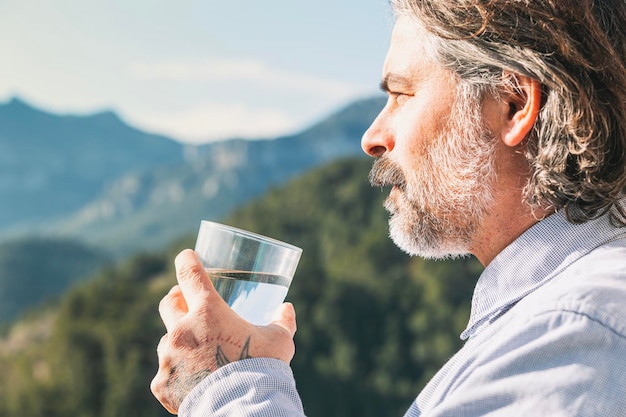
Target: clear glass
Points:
(251, 272)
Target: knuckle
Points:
(165, 301)
(165, 305)
(282, 343)
(158, 384)
(182, 338)
(161, 347)
(190, 270)
(154, 386)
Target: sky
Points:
(194, 70)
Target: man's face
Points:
(432, 148)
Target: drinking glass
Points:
(251, 272)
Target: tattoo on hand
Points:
(178, 389)
(221, 359)
(179, 385)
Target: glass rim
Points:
(252, 235)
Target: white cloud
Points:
(303, 98)
(214, 70)
(159, 69)
(212, 121)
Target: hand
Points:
(204, 334)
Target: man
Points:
(504, 136)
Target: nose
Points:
(378, 139)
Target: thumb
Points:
(193, 280)
(285, 317)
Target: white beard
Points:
(436, 208)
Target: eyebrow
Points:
(394, 79)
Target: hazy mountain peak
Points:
(95, 176)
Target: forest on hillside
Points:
(23, 263)
(373, 324)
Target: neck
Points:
(510, 215)
(500, 230)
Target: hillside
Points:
(95, 179)
(146, 211)
(373, 323)
(36, 270)
(145, 200)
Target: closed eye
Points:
(397, 95)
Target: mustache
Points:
(386, 172)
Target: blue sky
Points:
(194, 70)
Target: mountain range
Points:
(96, 179)
(52, 165)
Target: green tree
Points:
(373, 324)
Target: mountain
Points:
(51, 165)
(146, 210)
(77, 192)
(373, 323)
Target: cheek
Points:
(418, 125)
(410, 134)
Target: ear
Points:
(522, 107)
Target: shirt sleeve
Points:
(248, 388)
(558, 364)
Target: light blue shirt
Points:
(546, 337)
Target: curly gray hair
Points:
(577, 50)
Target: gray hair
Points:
(577, 51)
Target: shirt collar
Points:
(533, 259)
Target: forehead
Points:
(408, 53)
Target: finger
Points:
(172, 308)
(162, 348)
(159, 388)
(192, 278)
(164, 354)
(286, 318)
(161, 381)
